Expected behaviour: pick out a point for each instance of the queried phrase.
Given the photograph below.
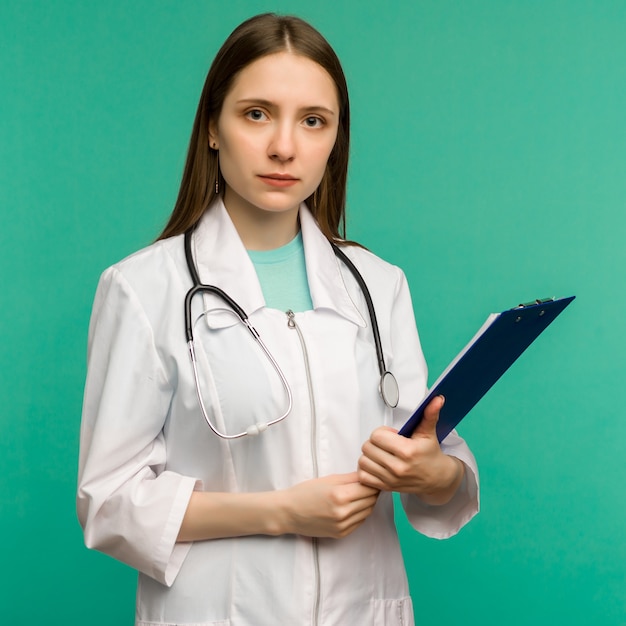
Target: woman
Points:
(293, 525)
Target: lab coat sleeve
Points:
(129, 506)
(409, 367)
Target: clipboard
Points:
(493, 349)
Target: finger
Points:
(376, 457)
(354, 522)
(342, 479)
(364, 504)
(373, 475)
(345, 511)
(360, 508)
(383, 433)
(386, 429)
(371, 480)
(357, 492)
(384, 438)
(428, 425)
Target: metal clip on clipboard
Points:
(493, 349)
(533, 303)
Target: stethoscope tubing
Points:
(370, 306)
(258, 427)
(388, 386)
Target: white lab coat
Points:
(145, 445)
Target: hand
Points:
(416, 465)
(332, 506)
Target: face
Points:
(275, 132)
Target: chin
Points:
(285, 205)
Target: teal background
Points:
(488, 161)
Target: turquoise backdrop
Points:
(488, 160)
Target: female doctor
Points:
(293, 525)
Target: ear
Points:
(213, 140)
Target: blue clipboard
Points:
(494, 348)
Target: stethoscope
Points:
(388, 386)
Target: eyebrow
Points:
(270, 104)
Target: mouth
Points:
(277, 179)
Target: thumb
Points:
(428, 425)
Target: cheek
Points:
(236, 156)
(326, 147)
(237, 148)
(320, 157)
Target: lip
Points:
(278, 179)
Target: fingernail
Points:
(443, 400)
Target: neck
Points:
(262, 230)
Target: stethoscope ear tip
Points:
(389, 390)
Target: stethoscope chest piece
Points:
(389, 390)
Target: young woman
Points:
(252, 484)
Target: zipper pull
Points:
(291, 322)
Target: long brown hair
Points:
(257, 37)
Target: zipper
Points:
(291, 324)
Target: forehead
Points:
(285, 76)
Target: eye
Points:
(256, 115)
(313, 122)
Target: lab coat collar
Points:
(223, 261)
(323, 268)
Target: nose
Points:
(282, 146)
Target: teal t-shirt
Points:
(282, 274)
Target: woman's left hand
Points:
(416, 465)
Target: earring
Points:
(217, 174)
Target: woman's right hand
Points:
(331, 506)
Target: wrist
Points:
(450, 475)
(459, 474)
(453, 475)
(278, 516)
